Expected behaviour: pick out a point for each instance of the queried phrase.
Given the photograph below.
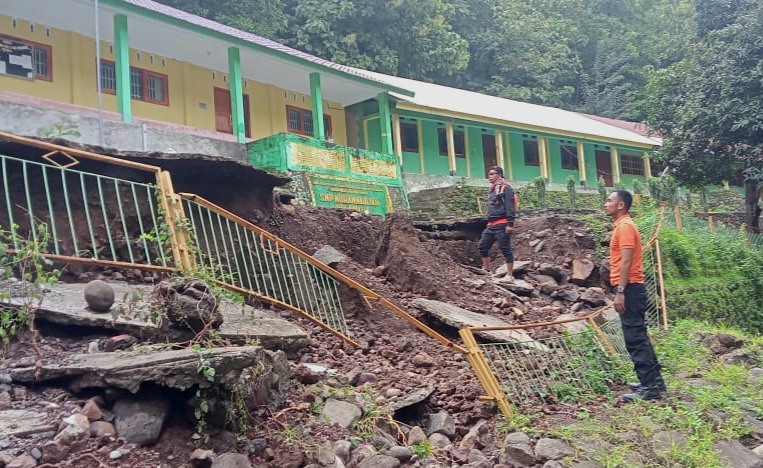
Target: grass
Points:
(707, 402)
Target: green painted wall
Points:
(435, 163)
(590, 164)
(559, 175)
(374, 134)
(520, 170)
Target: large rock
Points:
(736, 455)
(517, 286)
(554, 271)
(379, 461)
(462, 318)
(547, 284)
(99, 296)
(188, 304)
(232, 460)
(140, 421)
(594, 296)
(552, 449)
(441, 423)
(582, 269)
(520, 268)
(568, 293)
(340, 412)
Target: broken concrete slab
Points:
(329, 256)
(22, 423)
(462, 318)
(517, 286)
(520, 268)
(128, 370)
(133, 313)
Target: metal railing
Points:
(144, 224)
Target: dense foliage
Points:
(589, 55)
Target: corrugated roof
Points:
(521, 114)
(253, 39)
(635, 127)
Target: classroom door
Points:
(224, 115)
(604, 166)
(488, 152)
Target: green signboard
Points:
(341, 192)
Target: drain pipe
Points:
(98, 74)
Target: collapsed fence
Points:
(94, 218)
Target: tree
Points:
(411, 38)
(709, 107)
(262, 17)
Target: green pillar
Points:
(385, 123)
(316, 96)
(122, 67)
(236, 94)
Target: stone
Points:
(75, 432)
(573, 327)
(92, 411)
(53, 452)
(379, 461)
(516, 286)
(539, 246)
(756, 373)
(568, 293)
(188, 304)
(553, 271)
(552, 449)
(36, 453)
(416, 436)
(553, 464)
(401, 453)
(582, 268)
(414, 398)
(201, 458)
(329, 256)
(361, 453)
(422, 360)
(342, 449)
(339, 412)
(366, 378)
(516, 438)
(325, 456)
(439, 440)
(380, 270)
(99, 296)
(23, 422)
(473, 438)
(547, 284)
(305, 375)
(461, 318)
(587, 464)
(257, 446)
(736, 455)
(5, 401)
(518, 455)
(520, 267)
(102, 428)
(594, 296)
(23, 461)
(441, 423)
(667, 441)
(232, 460)
(140, 420)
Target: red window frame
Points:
(48, 56)
(307, 113)
(144, 74)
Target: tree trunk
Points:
(752, 205)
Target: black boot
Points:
(644, 393)
(659, 382)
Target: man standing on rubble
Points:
(627, 277)
(501, 212)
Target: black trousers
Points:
(492, 234)
(636, 340)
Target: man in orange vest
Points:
(627, 278)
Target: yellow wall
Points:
(190, 88)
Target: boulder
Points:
(554, 271)
(441, 423)
(340, 412)
(188, 304)
(232, 460)
(379, 461)
(552, 449)
(582, 269)
(140, 420)
(594, 296)
(99, 296)
(547, 284)
(329, 256)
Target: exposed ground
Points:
(393, 258)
